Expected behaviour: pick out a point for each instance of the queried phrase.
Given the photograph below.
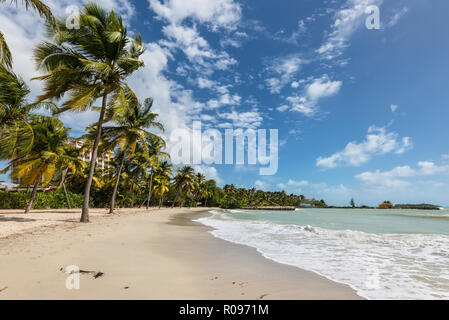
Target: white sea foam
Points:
(393, 266)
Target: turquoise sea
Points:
(382, 254)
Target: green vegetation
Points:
(55, 199)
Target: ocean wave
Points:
(377, 266)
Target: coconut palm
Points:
(161, 187)
(155, 155)
(16, 133)
(47, 153)
(70, 164)
(89, 63)
(39, 7)
(137, 171)
(184, 183)
(129, 132)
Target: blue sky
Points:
(361, 113)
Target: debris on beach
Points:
(3, 289)
(263, 296)
(96, 274)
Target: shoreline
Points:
(159, 254)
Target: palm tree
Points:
(130, 132)
(155, 155)
(137, 171)
(87, 64)
(160, 188)
(69, 164)
(48, 151)
(184, 183)
(16, 133)
(39, 7)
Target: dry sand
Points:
(159, 254)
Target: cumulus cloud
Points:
(209, 172)
(378, 141)
(261, 185)
(195, 47)
(292, 185)
(248, 119)
(398, 177)
(283, 69)
(317, 89)
(217, 13)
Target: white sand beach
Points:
(156, 254)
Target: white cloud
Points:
(323, 87)
(196, 48)
(284, 69)
(294, 36)
(317, 89)
(217, 13)
(206, 83)
(292, 185)
(261, 185)
(394, 107)
(397, 16)
(377, 142)
(249, 119)
(398, 177)
(282, 108)
(347, 21)
(209, 172)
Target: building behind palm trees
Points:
(103, 161)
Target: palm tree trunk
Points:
(66, 195)
(33, 196)
(176, 199)
(149, 191)
(160, 201)
(85, 212)
(114, 194)
(64, 175)
(132, 192)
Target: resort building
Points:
(102, 161)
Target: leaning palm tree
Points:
(184, 183)
(16, 133)
(130, 131)
(38, 6)
(90, 63)
(48, 151)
